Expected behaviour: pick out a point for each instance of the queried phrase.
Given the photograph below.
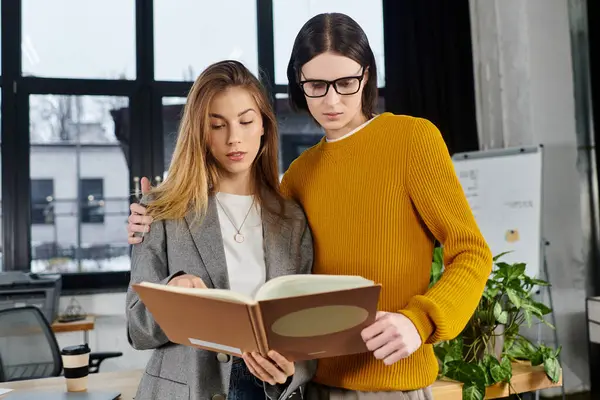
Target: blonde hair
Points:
(193, 172)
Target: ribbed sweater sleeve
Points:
(442, 312)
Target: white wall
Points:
(522, 57)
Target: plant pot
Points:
(494, 347)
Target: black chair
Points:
(28, 347)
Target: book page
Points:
(299, 285)
(222, 294)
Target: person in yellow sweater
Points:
(378, 190)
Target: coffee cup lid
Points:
(75, 350)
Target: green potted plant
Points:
(483, 353)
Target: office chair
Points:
(28, 347)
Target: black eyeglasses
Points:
(345, 86)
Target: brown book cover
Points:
(302, 317)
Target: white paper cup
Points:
(76, 366)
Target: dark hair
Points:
(339, 34)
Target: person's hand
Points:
(138, 220)
(391, 337)
(187, 281)
(274, 370)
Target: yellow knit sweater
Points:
(375, 201)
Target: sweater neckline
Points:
(326, 146)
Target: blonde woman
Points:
(219, 221)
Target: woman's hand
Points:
(138, 220)
(187, 281)
(392, 337)
(274, 370)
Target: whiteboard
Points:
(504, 190)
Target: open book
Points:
(302, 317)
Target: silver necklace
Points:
(238, 237)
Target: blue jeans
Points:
(243, 385)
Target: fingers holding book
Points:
(187, 281)
(274, 370)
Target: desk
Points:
(525, 379)
(125, 382)
(84, 325)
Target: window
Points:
(191, 34)
(92, 201)
(42, 201)
(80, 141)
(172, 109)
(78, 39)
(289, 16)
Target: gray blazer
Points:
(180, 372)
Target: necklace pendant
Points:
(238, 237)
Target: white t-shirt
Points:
(352, 132)
(245, 261)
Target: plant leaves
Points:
(528, 318)
(503, 270)
(537, 358)
(540, 282)
(543, 309)
(521, 349)
(491, 293)
(548, 324)
(496, 258)
(440, 350)
(534, 282)
(473, 391)
(438, 255)
(455, 351)
(464, 372)
(552, 368)
(506, 365)
(498, 372)
(487, 364)
(536, 308)
(558, 351)
(437, 266)
(514, 298)
(447, 352)
(516, 271)
(500, 315)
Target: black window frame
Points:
(145, 107)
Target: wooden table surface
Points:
(86, 324)
(525, 379)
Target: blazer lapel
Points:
(209, 242)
